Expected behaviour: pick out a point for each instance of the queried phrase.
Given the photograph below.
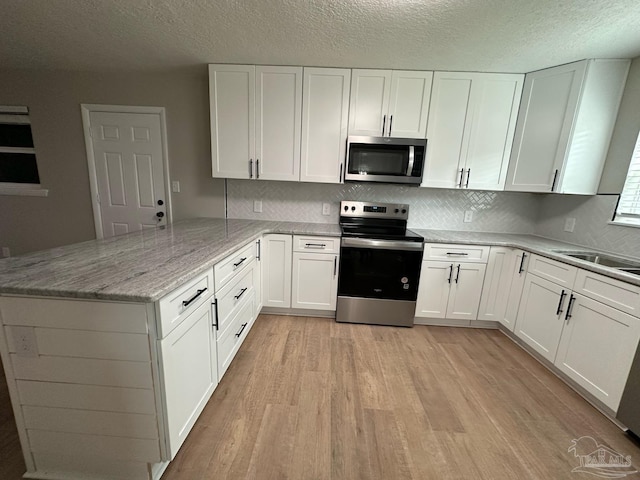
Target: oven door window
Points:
(373, 273)
(368, 159)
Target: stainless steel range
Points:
(379, 264)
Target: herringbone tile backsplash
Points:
(428, 208)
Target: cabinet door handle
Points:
(390, 123)
(236, 265)
(569, 307)
(466, 185)
(461, 177)
(259, 253)
(186, 303)
(458, 274)
(524, 255)
(257, 168)
(241, 330)
(315, 245)
(335, 265)
(340, 174)
(250, 168)
(237, 297)
(384, 122)
(555, 177)
(450, 273)
(215, 312)
(559, 309)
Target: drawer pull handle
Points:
(569, 307)
(559, 309)
(241, 330)
(315, 245)
(186, 303)
(524, 255)
(457, 253)
(236, 265)
(237, 297)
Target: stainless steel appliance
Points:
(629, 409)
(379, 264)
(385, 159)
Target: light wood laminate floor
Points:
(308, 398)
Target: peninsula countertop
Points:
(144, 266)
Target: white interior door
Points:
(128, 158)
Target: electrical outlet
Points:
(6, 252)
(175, 186)
(257, 206)
(326, 209)
(468, 216)
(24, 340)
(569, 224)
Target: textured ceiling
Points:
(485, 35)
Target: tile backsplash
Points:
(592, 229)
(428, 208)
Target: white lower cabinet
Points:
(450, 290)
(314, 281)
(597, 347)
(276, 270)
(190, 373)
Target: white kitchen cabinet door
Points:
(564, 126)
(495, 101)
(278, 122)
(315, 281)
(325, 114)
(465, 291)
(447, 136)
(276, 270)
(409, 104)
(433, 289)
(370, 91)
(541, 315)
(495, 293)
(232, 111)
(190, 373)
(597, 347)
(518, 266)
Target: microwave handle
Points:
(412, 158)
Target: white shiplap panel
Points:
(90, 422)
(86, 397)
(74, 314)
(87, 344)
(83, 371)
(114, 448)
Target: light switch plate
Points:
(326, 209)
(468, 216)
(569, 224)
(175, 186)
(257, 206)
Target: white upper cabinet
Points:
(325, 113)
(564, 127)
(386, 103)
(255, 121)
(472, 120)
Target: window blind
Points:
(628, 210)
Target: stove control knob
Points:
(353, 209)
(346, 208)
(404, 210)
(396, 210)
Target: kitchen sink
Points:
(604, 260)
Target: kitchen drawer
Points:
(615, 293)
(556, 272)
(316, 244)
(224, 270)
(231, 297)
(175, 306)
(229, 342)
(456, 253)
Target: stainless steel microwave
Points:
(385, 159)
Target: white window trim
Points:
(629, 219)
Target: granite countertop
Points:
(144, 266)
(534, 244)
(141, 266)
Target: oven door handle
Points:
(382, 244)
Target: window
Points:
(628, 210)
(18, 167)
